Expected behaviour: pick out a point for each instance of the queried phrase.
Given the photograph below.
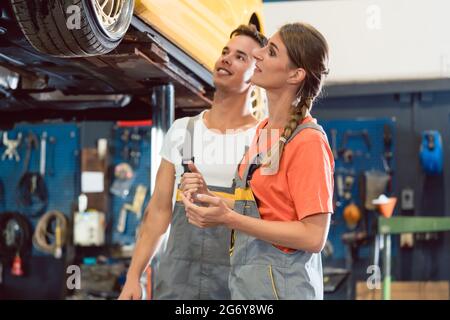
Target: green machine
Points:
(399, 225)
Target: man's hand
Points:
(131, 291)
(193, 183)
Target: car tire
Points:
(73, 28)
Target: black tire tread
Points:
(44, 25)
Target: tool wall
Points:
(128, 147)
(130, 153)
(61, 163)
(61, 184)
(364, 152)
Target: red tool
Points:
(16, 269)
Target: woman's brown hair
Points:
(307, 49)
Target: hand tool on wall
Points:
(131, 150)
(339, 194)
(387, 154)
(348, 186)
(346, 152)
(31, 189)
(43, 154)
(135, 151)
(125, 138)
(51, 155)
(31, 143)
(135, 155)
(387, 142)
(135, 207)
(11, 147)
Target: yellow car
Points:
(77, 28)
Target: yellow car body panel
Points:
(199, 27)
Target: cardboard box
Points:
(407, 290)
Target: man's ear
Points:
(296, 76)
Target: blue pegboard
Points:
(364, 160)
(62, 186)
(142, 176)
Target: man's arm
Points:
(157, 218)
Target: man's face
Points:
(234, 68)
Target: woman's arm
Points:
(309, 234)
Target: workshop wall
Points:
(413, 112)
(136, 153)
(361, 147)
(60, 167)
(44, 274)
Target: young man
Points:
(195, 262)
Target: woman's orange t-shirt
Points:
(304, 183)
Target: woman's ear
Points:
(296, 76)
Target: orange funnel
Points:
(385, 205)
(387, 208)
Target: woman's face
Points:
(273, 67)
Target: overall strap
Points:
(237, 181)
(308, 125)
(253, 165)
(187, 149)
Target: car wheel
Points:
(73, 28)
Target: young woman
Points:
(284, 184)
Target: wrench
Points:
(32, 143)
(11, 147)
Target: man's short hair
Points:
(250, 31)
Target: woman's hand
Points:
(217, 213)
(193, 183)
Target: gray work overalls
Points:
(258, 269)
(196, 262)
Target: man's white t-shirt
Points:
(216, 155)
